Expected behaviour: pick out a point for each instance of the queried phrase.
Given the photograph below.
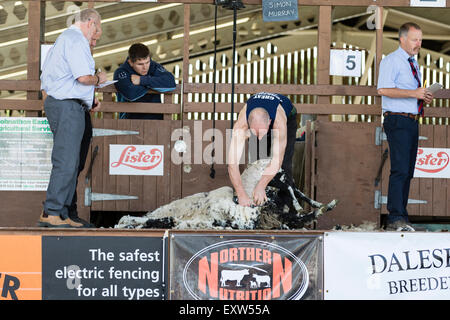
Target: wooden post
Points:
(381, 17)
(323, 52)
(337, 80)
(187, 20)
(380, 20)
(36, 20)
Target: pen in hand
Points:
(101, 76)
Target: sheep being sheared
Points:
(218, 209)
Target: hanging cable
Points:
(233, 5)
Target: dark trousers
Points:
(84, 150)
(290, 145)
(403, 136)
(66, 119)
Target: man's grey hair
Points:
(88, 14)
(403, 31)
(83, 16)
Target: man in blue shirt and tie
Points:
(403, 97)
(68, 78)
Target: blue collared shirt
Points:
(69, 58)
(395, 72)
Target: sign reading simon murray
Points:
(280, 10)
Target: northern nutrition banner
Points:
(245, 267)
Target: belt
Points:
(409, 115)
(82, 103)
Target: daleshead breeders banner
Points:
(230, 267)
(386, 265)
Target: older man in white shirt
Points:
(69, 79)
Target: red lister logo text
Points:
(431, 162)
(142, 160)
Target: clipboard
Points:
(107, 83)
(435, 87)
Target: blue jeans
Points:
(67, 120)
(403, 136)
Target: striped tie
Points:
(416, 75)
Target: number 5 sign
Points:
(345, 63)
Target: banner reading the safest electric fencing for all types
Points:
(245, 267)
(104, 267)
(386, 265)
(35, 267)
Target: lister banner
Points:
(386, 265)
(233, 267)
(432, 163)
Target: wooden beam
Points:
(375, 51)
(187, 27)
(36, 19)
(442, 94)
(329, 109)
(172, 108)
(15, 104)
(350, 3)
(319, 109)
(20, 85)
(140, 107)
(323, 51)
(221, 107)
(112, 89)
(286, 89)
(381, 14)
